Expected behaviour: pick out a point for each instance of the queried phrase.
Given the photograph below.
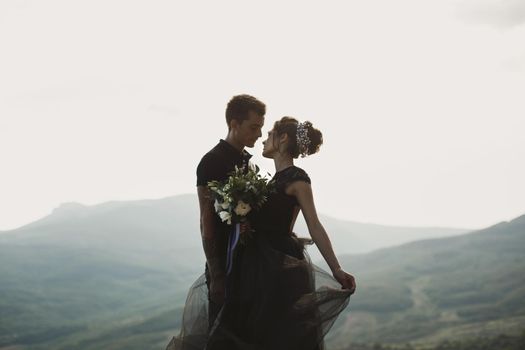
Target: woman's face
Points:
(270, 146)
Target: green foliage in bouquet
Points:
(244, 190)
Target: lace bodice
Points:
(276, 216)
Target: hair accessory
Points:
(303, 141)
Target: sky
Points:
(421, 102)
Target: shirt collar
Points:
(234, 152)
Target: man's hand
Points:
(346, 279)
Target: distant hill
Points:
(111, 264)
(172, 222)
(350, 237)
(448, 288)
(113, 275)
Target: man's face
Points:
(249, 130)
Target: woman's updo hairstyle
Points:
(289, 126)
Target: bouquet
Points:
(241, 193)
(244, 191)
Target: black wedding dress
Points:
(276, 299)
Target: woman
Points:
(276, 299)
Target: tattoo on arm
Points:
(211, 241)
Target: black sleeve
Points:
(208, 169)
(299, 174)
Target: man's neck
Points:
(238, 146)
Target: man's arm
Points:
(211, 244)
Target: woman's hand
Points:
(246, 228)
(346, 279)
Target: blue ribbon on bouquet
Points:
(232, 243)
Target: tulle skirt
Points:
(276, 299)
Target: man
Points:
(245, 119)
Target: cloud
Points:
(168, 111)
(498, 13)
(515, 64)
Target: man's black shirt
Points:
(215, 165)
(219, 161)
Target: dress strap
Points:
(290, 175)
(297, 174)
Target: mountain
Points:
(172, 222)
(432, 290)
(350, 237)
(114, 275)
(83, 267)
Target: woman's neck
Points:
(282, 162)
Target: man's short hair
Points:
(240, 106)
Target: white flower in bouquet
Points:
(244, 190)
(242, 208)
(225, 216)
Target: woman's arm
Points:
(303, 192)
